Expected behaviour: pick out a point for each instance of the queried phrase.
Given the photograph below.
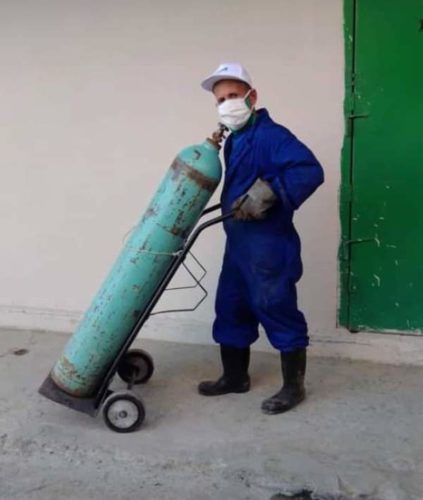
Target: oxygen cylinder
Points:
(172, 214)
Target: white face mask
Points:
(235, 113)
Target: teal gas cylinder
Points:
(172, 214)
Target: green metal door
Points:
(382, 190)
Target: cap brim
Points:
(211, 81)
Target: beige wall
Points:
(98, 96)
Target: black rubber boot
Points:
(293, 391)
(235, 373)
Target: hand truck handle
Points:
(211, 209)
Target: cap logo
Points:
(223, 69)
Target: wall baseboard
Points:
(35, 318)
(339, 343)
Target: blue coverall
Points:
(262, 260)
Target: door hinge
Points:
(347, 244)
(350, 119)
(354, 116)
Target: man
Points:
(269, 174)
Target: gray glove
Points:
(255, 203)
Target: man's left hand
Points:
(255, 203)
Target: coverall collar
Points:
(248, 133)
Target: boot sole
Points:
(234, 391)
(277, 411)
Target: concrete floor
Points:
(358, 435)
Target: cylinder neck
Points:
(217, 137)
(212, 144)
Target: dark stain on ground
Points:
(20, 352)
(301, 495)
(309, 495)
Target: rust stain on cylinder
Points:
(136, 313)
(178, 231)
(178, 228)
(202, 180)
(150, 212)
(71, 373)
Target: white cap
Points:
(227, 71)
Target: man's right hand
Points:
(255, 203)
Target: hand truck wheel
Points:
(123, 412)
(136, 367)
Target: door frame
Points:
(347, 156)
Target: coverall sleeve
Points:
(295, 172)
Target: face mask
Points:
(235, 113)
